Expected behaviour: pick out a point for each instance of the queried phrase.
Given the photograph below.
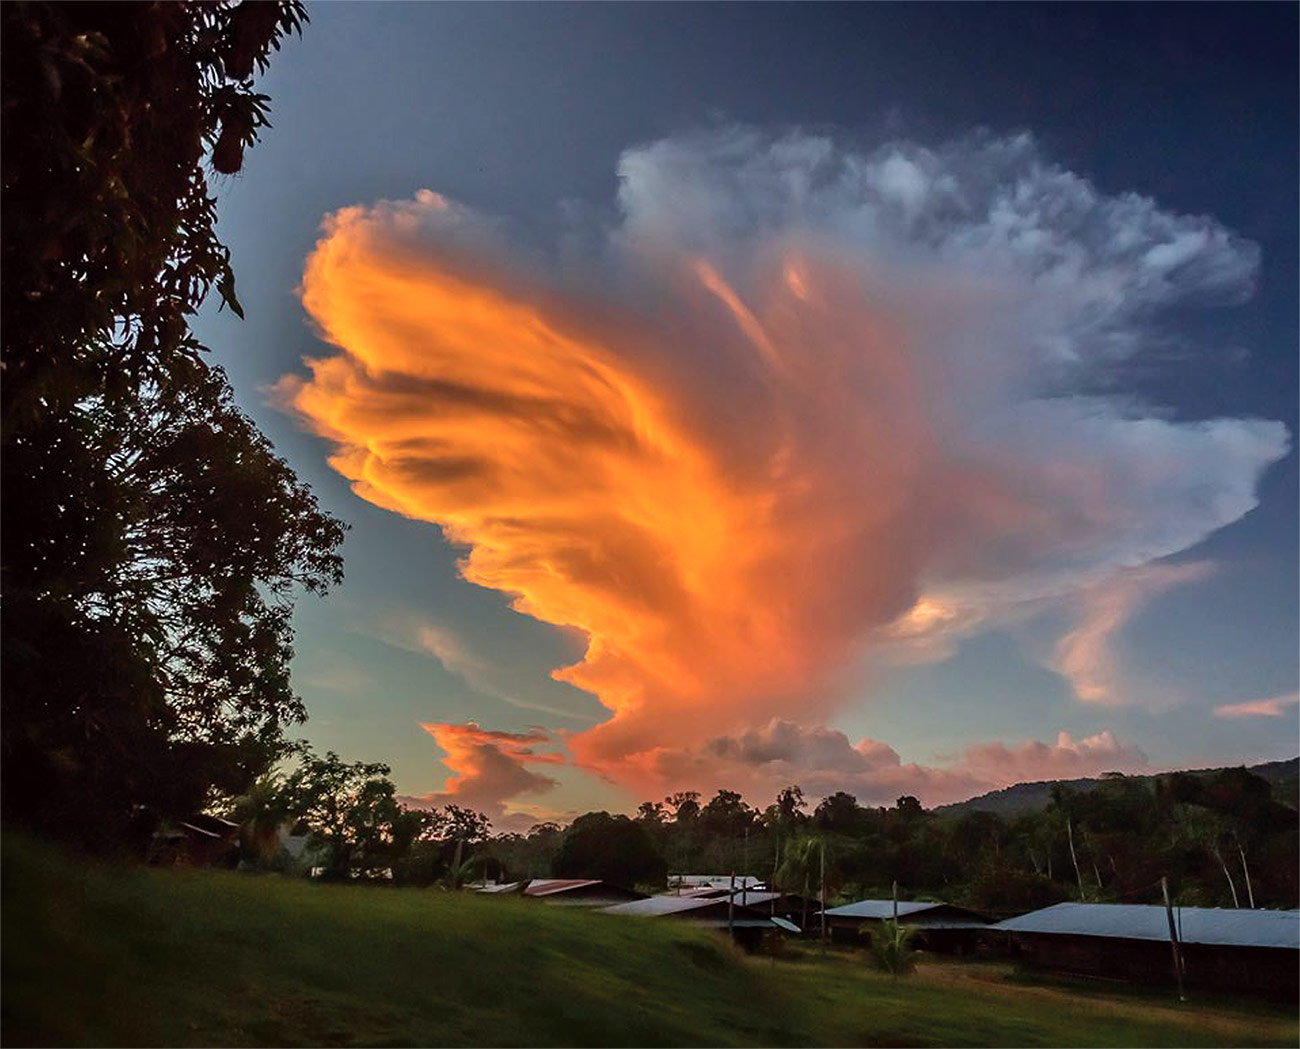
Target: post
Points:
(1173, 938)
(776, 862)
(823, 893)
(895, 904)
(745, 864)
(731, 908)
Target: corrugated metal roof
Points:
(753, 899)
(546, 886)
(718, 881)
(1131, 921)
(709, 912)
(879, 909)
(656, 905)
(508, 887)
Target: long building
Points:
(938, 926)
(1221, 948)
(747, 924)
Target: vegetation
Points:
(891, 947)
(152, 540)
(106, 956)
(1222, 839)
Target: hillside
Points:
(109, 956)
(1031, 797)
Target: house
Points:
(568, 892)
(747, 924)
(198, 840)
(798, 910)
(684, 882)
(1222, 948)
(938, 926)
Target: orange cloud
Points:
(715, 583)
(488, 767)
(798, 408)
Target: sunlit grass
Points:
(148, 957)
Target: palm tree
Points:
(260, 811)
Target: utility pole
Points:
(1173, 938)
(731, 908)
(776, 862)
(895, 904)
(744, 875)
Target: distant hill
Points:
(1032, 797)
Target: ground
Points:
(97, 955)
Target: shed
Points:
(938, 926)
(748, 924)
(579, 892)
(713, 881)
(1222, 948)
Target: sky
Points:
(891, 398)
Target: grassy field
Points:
(106, 956)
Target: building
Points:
(569, 892)
(747, 924)
(684, 882)
(1222, 948)
(198, 840)
(937, 926)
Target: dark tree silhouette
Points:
(614, 848)
(152, 540)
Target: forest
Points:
(1225, 838)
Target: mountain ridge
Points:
(1021, 798)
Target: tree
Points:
(726, 814)
(839, 813)
(153, 542)
(790, 807)
(612, 848)
(685, 805)
(350, 811)
(260, 811)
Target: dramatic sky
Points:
(885, 398)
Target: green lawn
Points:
(106, 956)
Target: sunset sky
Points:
(885, 398)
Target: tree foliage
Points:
(613, 848)
(1211, 835)
(152, 540)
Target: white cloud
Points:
(1274, 707)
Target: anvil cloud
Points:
(803, 400)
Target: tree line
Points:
(1222, 840)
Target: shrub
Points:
(891, 947)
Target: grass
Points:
(116, 956)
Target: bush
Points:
(891, 947)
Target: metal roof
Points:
(508, 887)
(920, 913)
(546, 886)
(719, 881)
(693, 909)
(657, 905)
(1131, 921)
(880, 909)
(753, 899)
